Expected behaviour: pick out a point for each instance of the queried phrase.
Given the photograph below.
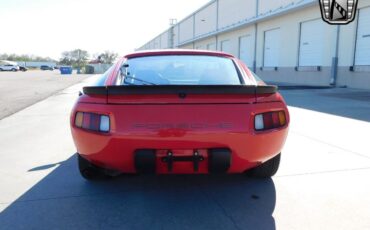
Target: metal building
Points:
(281, 40)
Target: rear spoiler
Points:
(179, 89)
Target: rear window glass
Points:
(179, 70)
(100, 80)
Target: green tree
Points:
(77, 58)
(108, 57)
(25, 58)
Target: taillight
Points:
(92, 121)
(271, 120)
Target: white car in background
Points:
(9, 66)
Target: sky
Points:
(48, 27)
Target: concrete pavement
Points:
(18, 90)
(323, 181)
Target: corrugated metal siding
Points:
(271, 5)
(233, 11)
(206, 20)
(186, 29)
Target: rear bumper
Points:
(117, 149)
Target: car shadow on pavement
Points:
(63, 200)
(44, 167)
(350, 103)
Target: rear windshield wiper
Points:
(126, 76)
(137, 79)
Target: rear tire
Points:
(90, 171)
(267, 169)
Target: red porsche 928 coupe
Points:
(179, 112)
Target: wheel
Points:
(88, 170)
(267, 169)
(14, 70)
(1, 69)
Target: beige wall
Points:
(363, 3)
(152, 46)
(206, 20)
(189, 46)
(204, 43)
(233, 37)
(289, 26)
(289, 37)
(186, 29)
(233, 11)
(157, 42)
(176, 35)
(358, 79)
(164, 40)
(271, 5)
(288, 74)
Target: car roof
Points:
(177, 52)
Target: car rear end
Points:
(190, 118)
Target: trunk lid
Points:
(179, 94)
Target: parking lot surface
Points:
(19, 90)
(323, 181)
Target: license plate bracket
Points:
(170, 159)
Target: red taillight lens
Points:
(271, 120)
(92, 121)
(267, 120)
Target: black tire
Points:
(88, 170)
(1, 70)
(14, 70)
(267, 169)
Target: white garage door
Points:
(246, 50)
(311, 46)
(225, 46)
(272, 46)
(363, 38)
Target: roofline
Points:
(251, 21)
(145, 53)
(182, 20)
(197, 11)
(294, 6)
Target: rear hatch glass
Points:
(180, 70)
